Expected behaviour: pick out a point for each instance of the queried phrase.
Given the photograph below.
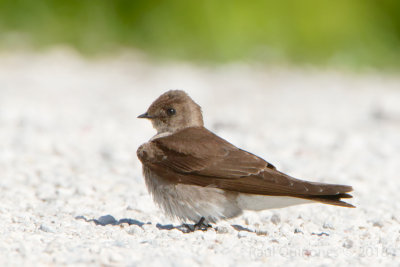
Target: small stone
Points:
(275, 219)
(328, 225)
(243, 234)
(223, 230)
(123, 225)
(285, 230)
(297, 231)
(251, 219)
(348, 243)
(46, 228)
(135, 230)
(378, 224)
(261, 232)
(149, 228)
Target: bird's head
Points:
(173, 111)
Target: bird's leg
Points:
(186, 228)
(200, 225)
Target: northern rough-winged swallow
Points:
(195, 175)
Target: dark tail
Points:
(334, 199)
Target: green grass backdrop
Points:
(341, 32)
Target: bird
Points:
(196, 176)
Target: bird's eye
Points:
(171, 111)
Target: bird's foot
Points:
(200, 225)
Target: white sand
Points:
(68, 140)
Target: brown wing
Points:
(198, 151)
(197, 156)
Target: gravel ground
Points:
(71, 187)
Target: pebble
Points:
(243, 234)
(377, 224)
(275, 219)
(223, 229)
(134, 230)
(348, 243)
(46, 228)
(328, 225)
(150, 228)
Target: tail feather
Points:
(332, 199)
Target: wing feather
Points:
(199, 157)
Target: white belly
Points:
(191, 202)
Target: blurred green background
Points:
(355, 33)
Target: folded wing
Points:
(197, 156)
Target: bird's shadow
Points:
(110, 220)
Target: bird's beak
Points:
(145, 116)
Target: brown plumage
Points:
(185, 153)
